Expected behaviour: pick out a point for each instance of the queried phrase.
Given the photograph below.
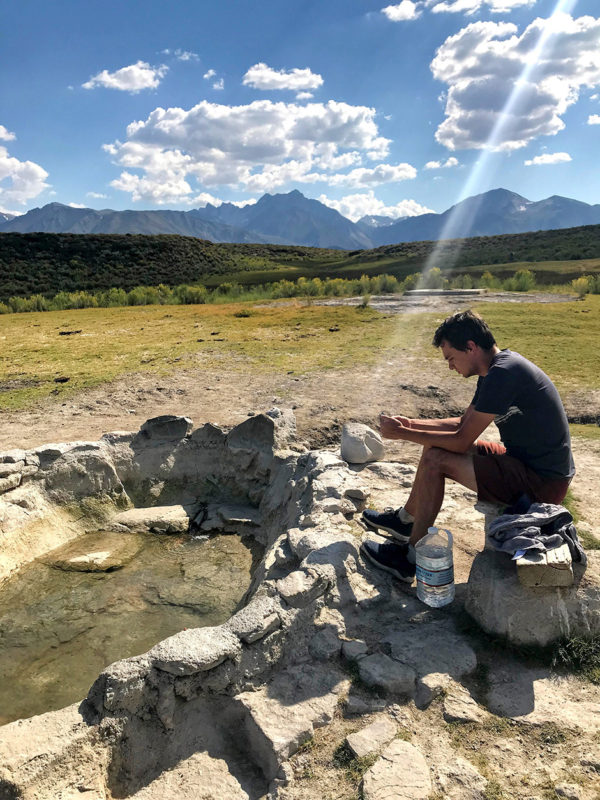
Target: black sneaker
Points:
(389, 521)
(390, 557)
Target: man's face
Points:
(462, 361)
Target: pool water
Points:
(61, 624)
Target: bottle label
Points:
(431, 577)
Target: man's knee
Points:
(434, 458)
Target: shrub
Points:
(522, 281)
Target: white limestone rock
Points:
(383, 672)
(361, 444)
(459, 780)
(160, 519)
(459, 706)
(432, 647)
(282, 715)
(302, 587)
(373, 737)
(194, 650)
(400, 774)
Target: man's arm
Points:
(456, 440)
(447, 424)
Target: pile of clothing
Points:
(541, 527)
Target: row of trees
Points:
(522, 281)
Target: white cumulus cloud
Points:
(382, 173)
(261, 76)
(96, 195)
(594, 119)
(472, 6)
(406, 10)
(23, 180)
(355, 206)
(548, 158)
(447, 164)
(256, 148)
(186, 55)
(219, 84)
(209, 74)
(506, 89)
(6, 135)
(133, 78)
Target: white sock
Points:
(404, 515)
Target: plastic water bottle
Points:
(435, 568)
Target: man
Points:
(535, 458)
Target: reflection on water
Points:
(60, 626)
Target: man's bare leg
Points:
(427, 493)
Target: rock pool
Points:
(107, 596)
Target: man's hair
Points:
(462, 327)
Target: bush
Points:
(522, 281)
(581, 285)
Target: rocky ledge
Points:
(324, 642)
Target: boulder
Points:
(361, 444)
(526, 615)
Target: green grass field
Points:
(112, 342)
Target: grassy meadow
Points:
(97, 345)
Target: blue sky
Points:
(372, 108)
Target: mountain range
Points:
(292, 219)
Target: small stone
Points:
(568, 790)
(460, 707)
(325, 645)
(401, 773)
(372, 738)
(383, 672)
(354, 650)
(358, 706)
(302, 587)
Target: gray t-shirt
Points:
(529, 414)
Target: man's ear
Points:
(471, 346)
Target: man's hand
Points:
(393, 427)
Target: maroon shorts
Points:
(503, 479)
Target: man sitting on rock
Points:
(535, 458)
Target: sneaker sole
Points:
(399, 537)
(391, 570)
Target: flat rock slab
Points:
(372, 738)
(382, 672)
(400, 774)
(199, 777)
(461, 781)
(535, 697)
(95, 553)
(433, 647)
(551, 568)
(283, 714)
(194, 650)
(159, 519)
